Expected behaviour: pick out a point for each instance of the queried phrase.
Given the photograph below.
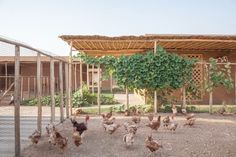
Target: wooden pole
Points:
(210, 101)
(127, 98)
(67, 93)
(70, 81)
(34, 87)
(81, 74)
(111, 83)
(93, 78)
(52, 86)
(39, 92)
(6, 76)
(184, 98)
(99, 88)
(88, 76)
(61, 91)
(155, 92)
(21, 87)
(28, 87)
(17, 101)
(235, 86)
(75, 76)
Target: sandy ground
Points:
(212, 136)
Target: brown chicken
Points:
(77, 138)
(166, 121)
(57, 139)
(190, 116)
(111, 128)
(35, 137)
(108, 121)
(151, 144)
(150, 117)
(128, 139)
(190, 122)
(154, 125)
(136, 119)
(107, 115)
(130, 127)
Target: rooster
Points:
(172, 125)
(77, 138)
(154, 125)
(35, 137)
(57, 139)
(107, 115)
(190, 122)
(80, 127)
(129, 127)
(136, 119)
(151, 144)
(108, 121)
(111, 128)
(190, 116)
(49, 128)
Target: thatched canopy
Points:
(126, 45)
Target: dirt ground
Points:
(212, 136)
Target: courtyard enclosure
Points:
(201, 47)
(26, 83)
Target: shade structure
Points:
(96, 45)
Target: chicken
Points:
(35, 137)
(80, 127)
(57, 139)
(190, 122)
(150, 117)
(128, 139)
(172, 126)
(151, 144)
(127, 113)
(190, 116)
(166, 121)
(136, 119)
(49, 128)
(184, 111)
(77, 138)
(154, 125)
(108, 121)
(174, 110)
(130, 128)
(111, 128)
(107, 115)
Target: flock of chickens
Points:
(110, 126)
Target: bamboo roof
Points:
(97, 45)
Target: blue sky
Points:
(39, 23)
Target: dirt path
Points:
(212, 136)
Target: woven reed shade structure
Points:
(95, 45)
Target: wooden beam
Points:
(81, 73)
(21, 87)
(17, 101)
(88, 76)
(34, 86)
(39, 93)
(76, 76)
(6, 76)
(127, 98)
(111, 83)
(99, 92)
(93, 78)
(155, 92)
(61, 92)
(28, 87)
(52, 89)
(67, 90)
(210, 102)
(70, 79)
(235, 86)
(184, 98)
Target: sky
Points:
(40, 22)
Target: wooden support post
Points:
(235, 86)
(127, 98)
(67, 93)
(70, 80)
(184, 98)
(39, 92)
(21, 87)
(34, 86)
(210, 101)
(81, 74)
(17, 101)
(6, 76)
(47, 82)
(155, 92)
(52, 89)
(75, 76)
(28, 82)
(111, 83)
(93, 78)
(99, 88)
(88, 84)
(61, 92)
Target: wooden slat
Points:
(39, 94)
(52, 89)
(155, 92)
(127, 98)
(17, 101)
(70, 80)
(61, 92)
(6, 76)
(67, 91)
(99, 88)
